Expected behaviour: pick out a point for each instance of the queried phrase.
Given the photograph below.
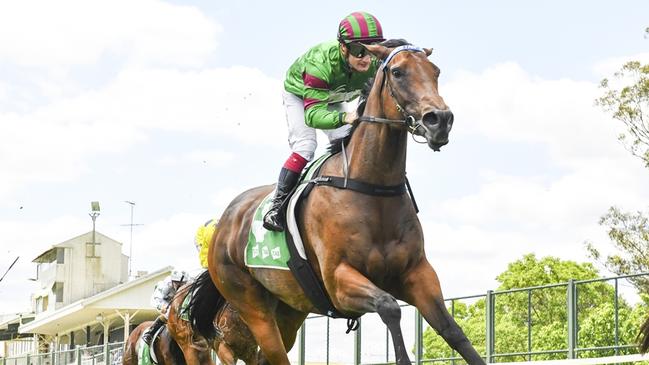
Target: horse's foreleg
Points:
(355, 293)
(421, 288)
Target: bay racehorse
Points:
(367, 250)
(234, 341)
(166, 350)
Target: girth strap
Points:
(361, 187)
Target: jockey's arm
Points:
(157, 300)
(316, 96)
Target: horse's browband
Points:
(407, 47)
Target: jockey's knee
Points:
(306, 149)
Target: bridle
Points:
(409, 121)
(412, 124)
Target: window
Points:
(39, 304)
(60, 255)
(58, 292)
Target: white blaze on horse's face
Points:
(415, 84)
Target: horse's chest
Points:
(380, 265)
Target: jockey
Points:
(161, 299)
(203, 238)
(327, 74)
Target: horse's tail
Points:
(643, 336)
(174, 348)
(206, 301)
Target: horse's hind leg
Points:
(256, 307)
(289, 321)
(355, 293)
(264, 327)
(421, 288)
(225, 354)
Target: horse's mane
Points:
(337, 144)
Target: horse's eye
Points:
(396, 72)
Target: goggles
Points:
(356, 49)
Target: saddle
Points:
(146, 356)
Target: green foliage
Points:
(547, 313)
(629, 233)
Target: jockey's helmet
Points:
(204, 233)
(179, 275)
(203, 238)
(360, 27)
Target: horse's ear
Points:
(428, 51)
(378, 50)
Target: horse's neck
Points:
(378, 151)
(377, 154)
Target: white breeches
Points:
(301, 137)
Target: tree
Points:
(548, 308)
(630, 105)
(629, 233)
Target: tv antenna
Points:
(130, 245)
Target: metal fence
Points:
(322, 340)
(314, 347)
(109, 354)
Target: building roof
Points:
(40, 257)
(9, 325)
(132, 297)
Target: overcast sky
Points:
(177, 107)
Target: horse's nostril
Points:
(442, 118)
(431, 118)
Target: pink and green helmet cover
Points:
(360, 26)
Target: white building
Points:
(84, 298)
(105, 317)
(78, 268)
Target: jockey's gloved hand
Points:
(350, 117)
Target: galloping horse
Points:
(367, 250)
(234, 342)
(166, 350)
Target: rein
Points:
(412, 124)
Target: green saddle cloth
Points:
(144, 354)
(268, 249)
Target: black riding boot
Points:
(147, 336)
(274, 219)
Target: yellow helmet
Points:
(203, 238)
